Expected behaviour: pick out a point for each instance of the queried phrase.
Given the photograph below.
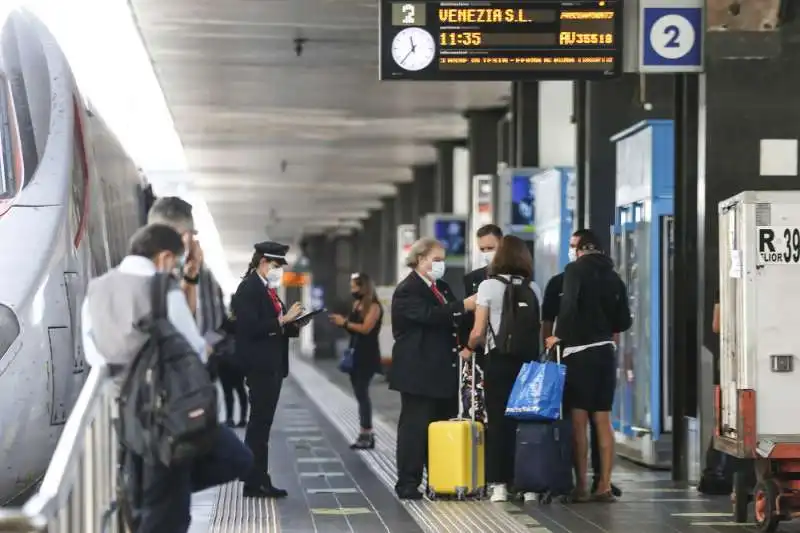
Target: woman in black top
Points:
(364, 324)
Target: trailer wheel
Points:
(765, 502)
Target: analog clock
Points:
(413, 49)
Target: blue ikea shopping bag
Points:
(538, 392)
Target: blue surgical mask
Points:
(437, 270)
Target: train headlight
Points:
(9, 329)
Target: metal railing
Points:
(81, 479)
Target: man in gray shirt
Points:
(160, 496)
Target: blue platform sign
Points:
(671, 36)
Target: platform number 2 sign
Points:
(672, 36)
(779, 245)
(410, 13)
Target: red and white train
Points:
(70, 198)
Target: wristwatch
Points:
(191, 281)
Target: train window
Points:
(80, 179)
(11, 171)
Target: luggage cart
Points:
(755, 418)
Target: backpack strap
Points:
(159, 288)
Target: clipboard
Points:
(309, 314)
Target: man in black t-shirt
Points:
(551, 306)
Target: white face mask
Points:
(487, 257)
(572, 254)
(274, 277)
(437, 270)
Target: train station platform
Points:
(333, 489)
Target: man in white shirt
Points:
(115, 302)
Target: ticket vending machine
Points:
(642, 249)
(451, 231)
(481, 213)
(406, 235)
(555, 193)
(516, 213)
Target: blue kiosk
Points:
(641, 246)
(555, 197)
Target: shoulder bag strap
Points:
(159, 288)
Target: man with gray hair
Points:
(198, 283)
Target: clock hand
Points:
(408, 54)
(413, 46)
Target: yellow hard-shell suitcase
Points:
(456, 456)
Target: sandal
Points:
(604, 497)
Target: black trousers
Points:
(160, 497)
(265, 390)
(416, 414)
(501, 432)
(360, 382)
(232, 380)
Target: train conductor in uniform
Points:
(425, 317)
(264, 326)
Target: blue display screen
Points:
(522, 204)
(452, 235)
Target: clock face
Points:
(413, 49)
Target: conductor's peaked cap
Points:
(274, 251)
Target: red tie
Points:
(438, 294)
(275, 302)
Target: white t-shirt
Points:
(490, 295)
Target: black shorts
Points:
(591, 379)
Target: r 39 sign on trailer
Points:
(778, 245)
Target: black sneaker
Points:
(364, 442)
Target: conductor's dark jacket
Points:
(262, 344)
(425, 353)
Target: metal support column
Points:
(482, 143)
(424, 185)
(388, 244)
(581, 119)
(685, 289)
(443, 189)
(525, 124)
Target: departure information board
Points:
(474, 40)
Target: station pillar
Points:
(602, 109)
(319, 250)
(388, 244)
(482, 143)
(524, 145)
(404, 204)
(423, 188)
(443, 189)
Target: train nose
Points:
(9, 328)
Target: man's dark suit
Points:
(262, 349)
(424, 369)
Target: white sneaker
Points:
(530, 497)
(499, 493)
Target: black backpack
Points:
(518, 335)
(167, 403)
